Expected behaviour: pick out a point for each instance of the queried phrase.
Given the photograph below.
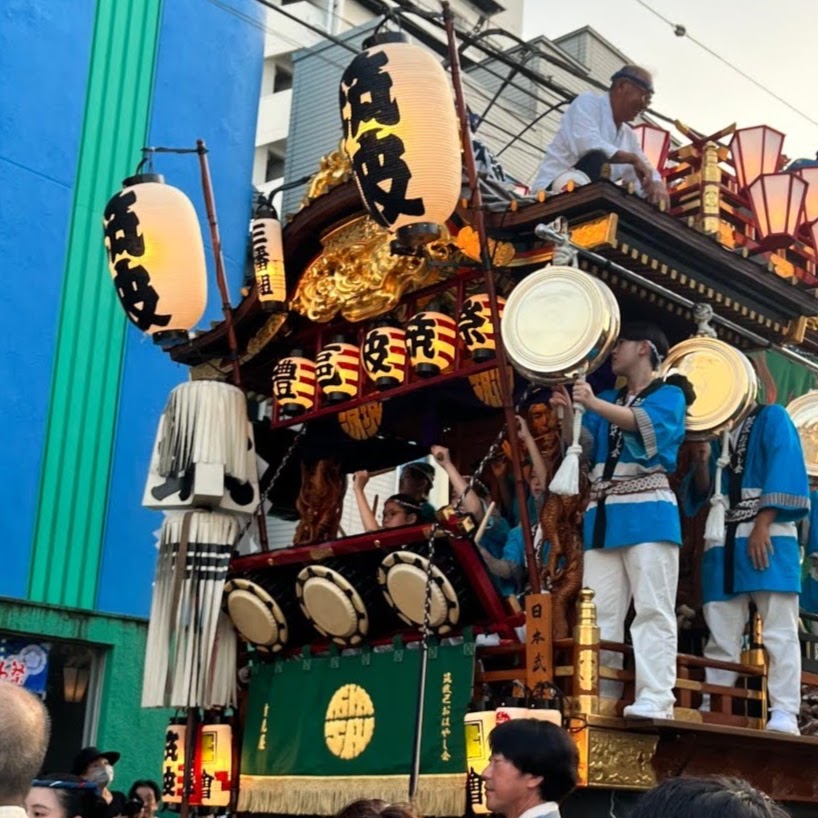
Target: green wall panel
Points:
(123, 724)
(73, 492)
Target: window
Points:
(282, 78)
(275, 166)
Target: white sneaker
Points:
(645, 710)
(783, 722)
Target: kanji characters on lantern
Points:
(294, 381)
(268, 259)
(156, 256)
(384, 356)
(476, 327)
(337, 371)
(430, 340)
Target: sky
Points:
(774, 41)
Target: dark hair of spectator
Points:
(76, 795)
(145, 782)
(542, 749)
(706, 798)
(376, 808)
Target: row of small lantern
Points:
(782, 202)
(428, 343)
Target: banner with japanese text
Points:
(319, 733)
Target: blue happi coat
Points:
(650, 516)
(809, 582)
(774, 472)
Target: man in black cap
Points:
(98, 767)
(416, 481)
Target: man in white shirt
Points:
(533, 767)
(594, 131)
(24, 731)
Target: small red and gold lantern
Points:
(430, 339)
(211, 771)
(268, 258)
(294, 385)
(810, 176)
(337, 371)
(655, 144)
(384, 356)
(777, 201)
(156, 257)
(755, 151)
(476, 327)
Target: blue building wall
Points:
(207, 83)
(44, 51)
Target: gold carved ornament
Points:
(617, 759)
(334, 169)
(357, 276)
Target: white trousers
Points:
(648, 573)
(779, 617)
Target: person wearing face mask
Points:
(594, 132)
(98, 767)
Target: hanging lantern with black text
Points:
(268, 258)
(430, 339)
(156, 257)
(211, 771)
(384, 356)
(294, 385)
(401, 135)
(336, 370)
(476, 327)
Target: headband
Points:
(624, 74)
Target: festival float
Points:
(395, 310)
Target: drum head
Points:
(804, 414)
(332, 603)
(724, 379)
(559, 323)
(402, 577)
(256, 615)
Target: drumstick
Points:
(484, 522)
(375, 506)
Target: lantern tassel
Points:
(566, 481)
(715, 527)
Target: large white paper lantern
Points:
(401, 134)
(156, 256)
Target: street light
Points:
(755, 151)
(655, 144)
(402, 137)
(777, 201)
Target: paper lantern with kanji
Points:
(211, 771)
(156, 257)
(384, 356)
(401, 134)
(476, 327)
(430, 339)
(268, 260)
(337, 371)
(294, 385)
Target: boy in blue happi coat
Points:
(758, 559)
(632, 529)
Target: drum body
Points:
(724, 379)
(264, 611)
(559, 324)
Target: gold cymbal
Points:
(804, 414)
(724, 379)
(559, 323)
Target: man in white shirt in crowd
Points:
(532, 769)
(24, 732)
(594, 132)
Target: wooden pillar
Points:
(710, 218)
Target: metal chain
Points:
(276, 474)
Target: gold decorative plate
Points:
(724, 379)
(558, 324)
(804, 414)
